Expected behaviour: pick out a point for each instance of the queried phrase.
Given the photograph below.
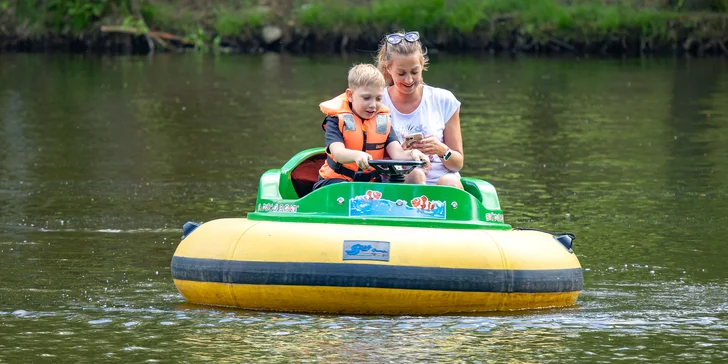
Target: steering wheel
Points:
(395, 169)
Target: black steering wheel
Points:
(395, 169)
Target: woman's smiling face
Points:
(406, 72)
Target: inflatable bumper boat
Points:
(373, 248)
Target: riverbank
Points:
(518, 26)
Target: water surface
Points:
(104, 159)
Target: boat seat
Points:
(305, 175)
(472, 188)
(483, 191)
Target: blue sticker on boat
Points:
(372, 204)
(366, 250)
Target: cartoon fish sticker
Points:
(422, 203)
(372, 195)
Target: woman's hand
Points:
(430, 145)
(419, 156)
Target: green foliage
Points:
(700, 5)
(719, 5)
(200, 39)
(205, 23)
(150, 12)
(420, 14)
(256, 18)
(135, 23)
(326, 14)
(76, 14)
(230, 21)
(163, 15)
(229, 24)
(466, 15)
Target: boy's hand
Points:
(419, 156)
(409, 145)
(362, 160)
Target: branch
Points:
(119, 29)
(138, 12)
(723, 47)
(562, 44)
(155, 35)
(169, 36)
(160, 42)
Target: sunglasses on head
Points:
(396, 38)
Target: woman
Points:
(416, 107)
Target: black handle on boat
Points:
(395, 175)
(566, 239)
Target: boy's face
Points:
(365, 100)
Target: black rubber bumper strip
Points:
(377, 276)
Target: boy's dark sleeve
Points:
(392, 137)
(333, 134)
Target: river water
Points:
(104, 158)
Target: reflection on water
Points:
(105, 158)
(605, 326)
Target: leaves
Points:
(78, 14)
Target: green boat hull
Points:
(285, 195)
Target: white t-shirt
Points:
(436, 108)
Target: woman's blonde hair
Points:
(404, 48)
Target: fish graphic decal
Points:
(372, 203)
(372, 195)
(422, 203)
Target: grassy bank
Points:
(540, 26)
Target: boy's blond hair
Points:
(365, 75)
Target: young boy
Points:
(358, 129)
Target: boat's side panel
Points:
(216, 239)
(302, 267)
(528, 249)
(325, 243)
(358, 300)
(207, 293)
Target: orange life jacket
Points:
(366, 135)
